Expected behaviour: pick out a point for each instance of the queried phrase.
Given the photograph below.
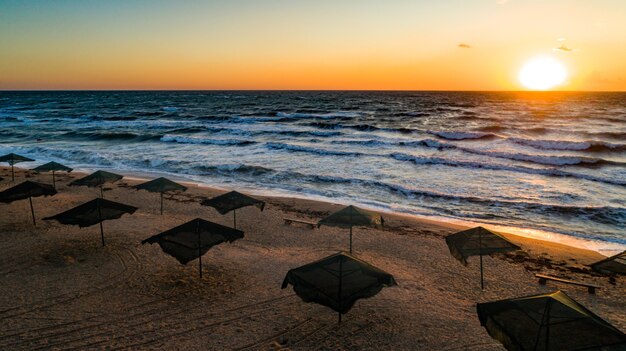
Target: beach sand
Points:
(60, 289)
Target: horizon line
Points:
(315, 90)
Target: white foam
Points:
(337, 114)
(462, 135)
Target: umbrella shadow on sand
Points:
(27, 190)
(170, 278)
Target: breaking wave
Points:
(552, 172)
(197, 140)
(464, 135)
(587, 145)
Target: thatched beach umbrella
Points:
(352, 216)
(337, 281)
(97, 179)
(27, 190)
(548, 322)
(160, 185)
(52, 167)
(193, 239)
(478, 242)
(613, 264)
(12, 159)
(93, 212)
(231, 202)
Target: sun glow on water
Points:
(542, 73)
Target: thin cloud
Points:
(465, 46)
(563, 48)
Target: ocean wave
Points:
(13, 119)
(170, 109)
(189, 130)
(73, 155)
(311, 150)
(536, 130)
(464, 135)
(14, 134)
(147, 113)
(551, 172)
(325, 125)
(546, 160)
(251, 119)
(119, 118)
(361, 127)
(198, 140)
(329, 115)
(611, 135)
(538, 159)
(111, 136)
(603, 214)
(431, 143)
(417, 114)
(587, 145)
(243, 132)
(229, 169)
(492, 128)
(297, 133)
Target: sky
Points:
(315, 44)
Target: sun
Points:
(542, 73)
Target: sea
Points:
(550, 165)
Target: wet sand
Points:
(60, 289)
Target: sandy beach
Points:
(60, 289)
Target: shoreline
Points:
(604, 248)
(533, 242)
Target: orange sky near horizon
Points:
(275, 44)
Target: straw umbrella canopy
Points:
(193, 239)
(614, 264)
(52, 167)
(160, 185)
(93, 212)
(478, 242)
(97, 179)
(12, 159)
(352, 216)
(231, 202)
(27, 190)
(548, 322)
(337, 281)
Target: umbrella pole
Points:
(351, 239)
(350, 230)
(161, 204)
(480, 251)
(482, 284)
(54, 184)
(101, 192)
(101, 233)
(545, 319)
(101, 229)
(340, 283)
(32, 211)
(12, 173)
(199, 250)
(548, 325)
(235, 219)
